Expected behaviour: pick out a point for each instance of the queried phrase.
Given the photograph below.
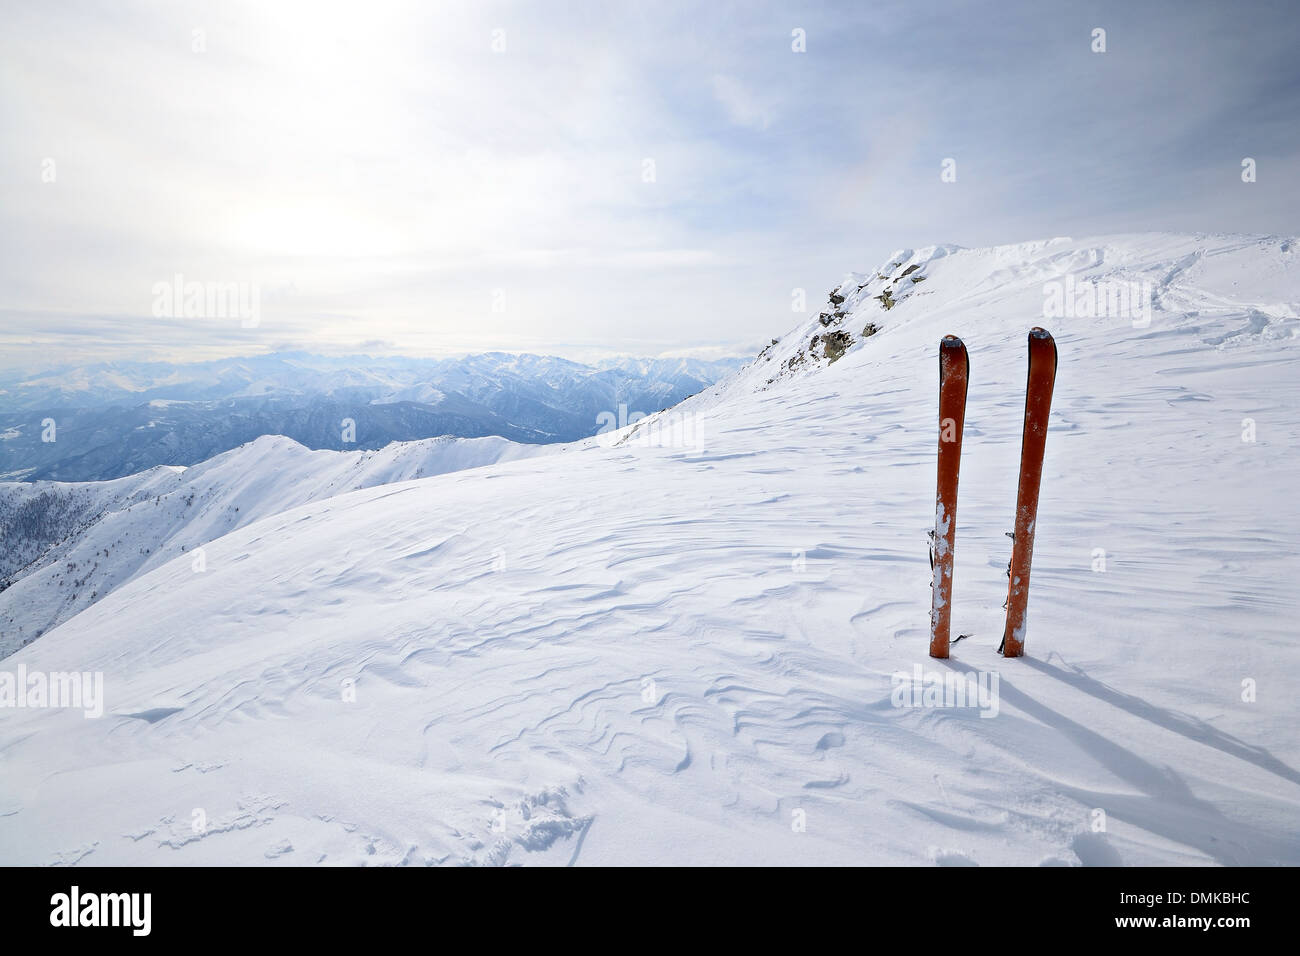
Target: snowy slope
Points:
(646, 654)
(74, 542)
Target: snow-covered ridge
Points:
(654, 654)
(1195, 281)
(68, 544)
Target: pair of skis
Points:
(954, 374)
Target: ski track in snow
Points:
(662, 655)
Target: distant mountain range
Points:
(118, 419)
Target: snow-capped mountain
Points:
(701, 649)
(280, 374)
(115, 420)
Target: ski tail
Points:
(954, 375)
(1038, 407)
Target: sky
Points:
(588, 179)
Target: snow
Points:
(631, 652)
(129, 526)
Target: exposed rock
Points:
(835, 344)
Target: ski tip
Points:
(952, 342)
(1040, 339)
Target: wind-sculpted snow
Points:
(73, 543)
(629, 653)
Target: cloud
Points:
(382, 172)
(743, 108)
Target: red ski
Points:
(1038, 405)
(954, 372)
